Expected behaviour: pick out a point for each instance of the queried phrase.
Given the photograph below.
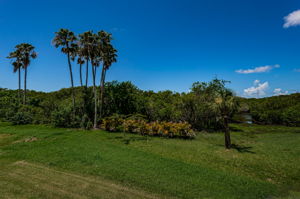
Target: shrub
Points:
(291, 116)
(21, 118)
(140, 126)
(113, 123)
(86, 123)
(63, 117)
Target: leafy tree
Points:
(226, 105)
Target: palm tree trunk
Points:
(227, 133)
(95, 95)
(72, 84)
(80, 72)
(87, 73)
(25, 85)
(102, 90)
(19, 91)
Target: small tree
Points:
(226, 105)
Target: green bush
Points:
(291, 116)
(86, 123)
(63, 117)
(21, 118)
(119, 123)
(113, 123)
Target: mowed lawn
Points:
(45, 162)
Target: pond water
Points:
(247, 118)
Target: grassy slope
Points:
(265, 163)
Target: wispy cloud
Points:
(293, 19)
(260, 69)
(279, 91)
(257, 90)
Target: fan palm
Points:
(109, 56)
(226, 105)
(80, 61)
(85, 48)
(15, 55)
(66, 39)
(27, 53)
(96, 58)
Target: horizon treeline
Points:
(124, 98)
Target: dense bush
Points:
(21, 118)
(64, 117)
(119, 123)
(281, 110)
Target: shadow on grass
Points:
(242, 149)
(128, 139)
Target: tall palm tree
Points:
(27, 53)
(15, 55)
(85, 47)
(66, 39)
(109, 56)
(95, 57)
(80, 61)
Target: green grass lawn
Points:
(44, 162)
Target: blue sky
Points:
(162, 44)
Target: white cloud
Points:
(279, 91)
(260, 69)
(293, 19)
(297, 70)
(256, 82)
(258, 90)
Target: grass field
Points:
(45, 162)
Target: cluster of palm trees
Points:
(21, 58)
(88, 48)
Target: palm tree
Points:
(80, 61)
(109, 56)
(85, 47)
(15, 55)
(226, 105)
(27, 53)
(66, 39)
(95, 57)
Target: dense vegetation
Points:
(71, 163)
(280, 110)
(126, 99)
(198, 107)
